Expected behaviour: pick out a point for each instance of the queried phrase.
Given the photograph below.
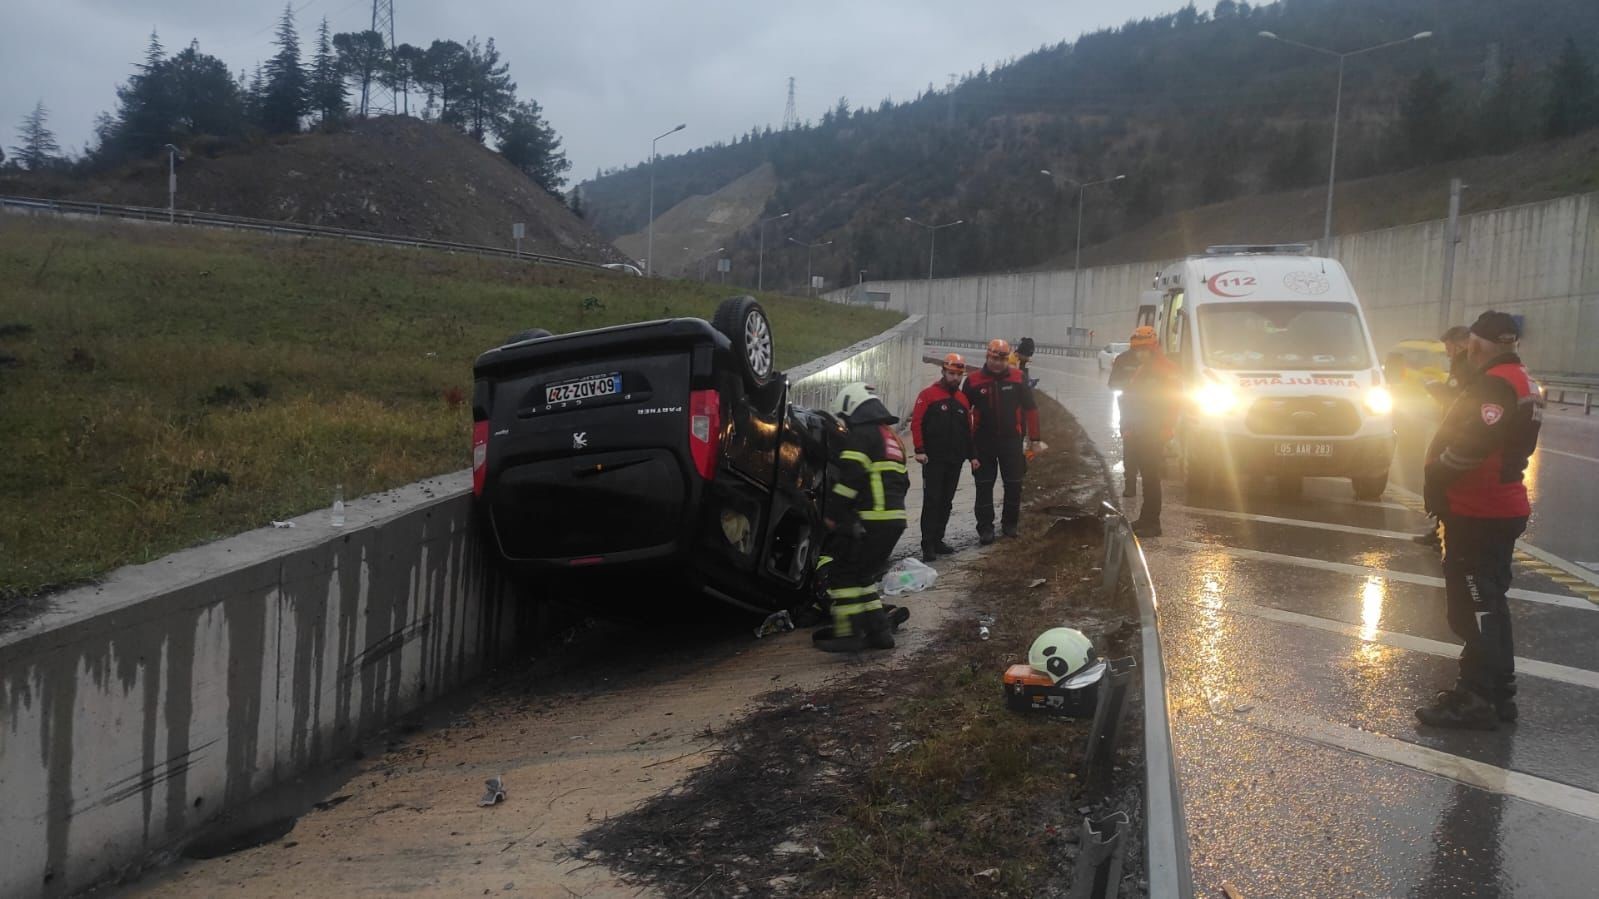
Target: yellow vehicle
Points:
(1425, 361)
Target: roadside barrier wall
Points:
(134, 712)
(1538, 260)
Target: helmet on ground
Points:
(851, 396)
(1061, 652)
(998, 348)
(954, 362)
(1143, 335)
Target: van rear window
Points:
(1298, 336)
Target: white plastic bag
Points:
(908, 576)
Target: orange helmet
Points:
(954, 362)
(998, 348)
(1143, 335)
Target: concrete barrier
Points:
(134, 712)
(1538, 260)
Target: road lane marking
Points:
(1580, 677)
(1545, 449)
(1302, 523)
(1403, 577)
(1541, 791)
(1561, 571)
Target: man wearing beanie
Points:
(1473, 483)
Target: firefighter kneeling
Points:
(866, 513)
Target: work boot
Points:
(985, 536)
(1461, 709)
(1506, 708)
(929, 553)
(1146, 528)
(879, 630)
(897, 615)
(1011, 530)
(944, 549)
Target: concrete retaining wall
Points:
(892, 361)
(134, 712)
(1539, 260)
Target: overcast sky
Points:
(611, 74)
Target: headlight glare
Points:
(1379, 401)
(1215, 399)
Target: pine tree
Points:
(529, 143)
(38, 149)
(284, 102)
(329, 99)
(1572, 105)
(490, 93)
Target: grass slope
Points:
(162, 388)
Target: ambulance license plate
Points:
(1310, 450)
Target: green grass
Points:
(162, 388)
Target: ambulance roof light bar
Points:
(1281, 249)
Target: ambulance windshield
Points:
(1291, 336)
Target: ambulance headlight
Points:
(1214, 399)
(1379, 401)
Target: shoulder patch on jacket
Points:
(1491, 413)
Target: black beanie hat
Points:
(1498, 327)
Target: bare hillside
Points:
(698, 225)
(393, 175)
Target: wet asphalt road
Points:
(1299, 638)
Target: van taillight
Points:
(704, 430)
(480, 455)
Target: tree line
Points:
(191, 97)
(1194, 107)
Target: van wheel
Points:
(1370, 489)
(529, 334)
(743, 322)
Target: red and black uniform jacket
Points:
(941, 423)
(1002, 407)
(1476, 461)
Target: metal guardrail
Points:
(1165, 831)
(240, 223)
(1039, 349)
(1556, 386)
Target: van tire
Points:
(744, 323)
(529, 334)
(1370, 489)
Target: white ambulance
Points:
(1280, 372)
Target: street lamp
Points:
(1077, 261)
(1338, 105)
(760, 265)
(649, 249)
(705, 257)
(808, 247)
(932, 239)
(172, 182)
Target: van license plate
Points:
(583, 389)
(1313, 450)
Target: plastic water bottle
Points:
(338, 505)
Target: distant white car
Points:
(1107, 356)
(625, 268)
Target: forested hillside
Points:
(1195, 107)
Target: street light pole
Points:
(172, 183)
(1338, 107)
(1077, 261)
(649, 249)
(760, 264)
(808, 247)
(932, 239)
(705, 257)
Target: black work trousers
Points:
(940, 478)
(1477, 557)
(859, 563)
(1144, 453)
(1000, 459)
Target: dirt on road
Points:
(618, 723)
